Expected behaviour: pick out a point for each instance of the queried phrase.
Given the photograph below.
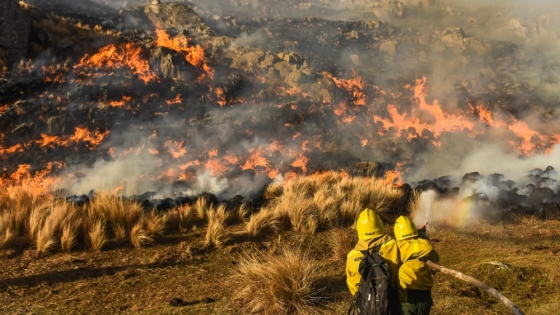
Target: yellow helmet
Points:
(405, 228)
(369, 225)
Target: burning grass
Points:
(305, 204)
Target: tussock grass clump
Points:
(243, 212)
(139, 236)
(120, 214)
(328, 200)
(201, 206)
(156, 224)
(283, 284)
(181, 218)
(264, 222)
(216, 234)
(16, 206)
(341, 241)
(98, 235)
(219, 214)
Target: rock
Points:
(453, 40)
(176, 302)
(172, 64)
(389, 47)
(355, 59)
(208, 300)
(472, 177)
(353, 34)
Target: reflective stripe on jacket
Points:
(414, 274)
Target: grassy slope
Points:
(142, 281)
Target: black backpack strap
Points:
(353, 309)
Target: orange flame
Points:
(113, 57)
(120, 103)
(82, 134)
(193, 54)
(176, 100)
(175, 148)
(354, 85)
(443, 122)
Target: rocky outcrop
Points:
(14, 32)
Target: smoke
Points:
(494, 54)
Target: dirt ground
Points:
(521, 259)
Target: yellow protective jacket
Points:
(388, 251)
(414, 274)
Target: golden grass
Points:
(263, 222)
(98, 235)
(219, 214)
(216, 234)
(341, 241)
(283, 284)
(119, 213)
(139, 236)
(243, 212)
(156, 224)
(201, 207)
(328, 200)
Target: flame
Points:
(530, 138)
(39, 182)
(394, 177)
(176, 100)
(4, 108)
(216, 167)
(175, 148)
(82, 134)
(354, 85)
(255, 159)
(443, 122)
(193, 54)
(301, 162)
(221, 99)
(112, 57)
(120, 103)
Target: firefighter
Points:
(371, 233)
(415, 277)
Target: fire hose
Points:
(495, 293)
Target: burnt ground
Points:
(144, 281)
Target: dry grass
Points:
(98, 235)
(216, 234)
(120, 214)
(156, 224)
(264, 222)
(283, 284)
(219, 214)
(201, 206)
(341, 241)
(330, 200)
(243, 212)
(139, 236)
(15, 209)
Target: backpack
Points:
(377, 295)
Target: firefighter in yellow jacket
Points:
(371, 233)
(415, 276)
